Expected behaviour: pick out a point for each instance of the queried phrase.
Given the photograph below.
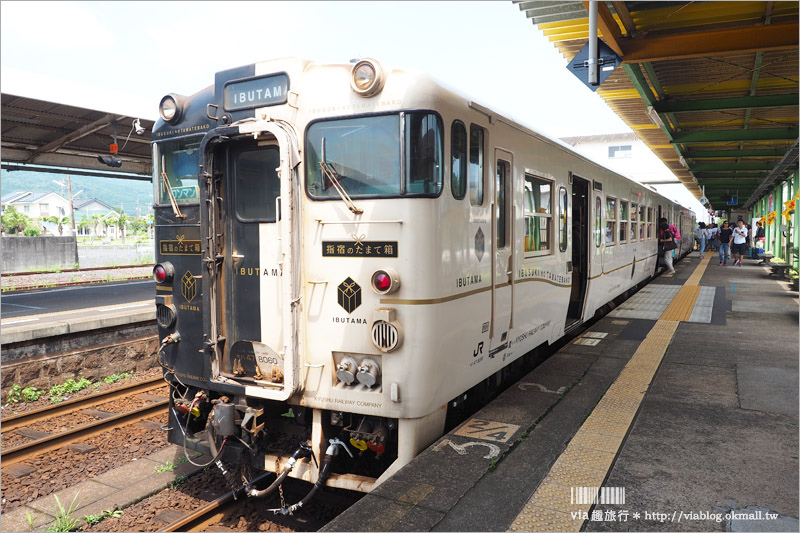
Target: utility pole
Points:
(72, 220)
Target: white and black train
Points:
(345, 252)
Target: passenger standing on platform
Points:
(701, 234)
(666, 244)
(725, 238)
(739, 242)
(760, 237)
(713, 237)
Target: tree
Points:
(14, 221)
(120, 221)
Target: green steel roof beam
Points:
(712, 136)
(722, 104)
(720, 167)
(755, 152)
(752, 175)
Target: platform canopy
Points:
(52, 137)
(710, 87)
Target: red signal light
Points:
(382, 281)
(162, 272)
(159, 274)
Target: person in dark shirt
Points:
(725, 238)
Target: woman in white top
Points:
(701, 234)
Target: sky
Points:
(122, 57)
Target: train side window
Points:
(598, 220)
(476, 137)
(649, 222)
(641, 222)
(257, 184)
(634, 225)
(563, 206)
(425, 152)
(502, 201)
(611, 220)
(623, 221)
(538, 215)
(458, 162)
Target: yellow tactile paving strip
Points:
(591, 452)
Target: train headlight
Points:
(367, 78)
(385, 281)
(163, 272)
(170, 108)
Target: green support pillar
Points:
(779, 220)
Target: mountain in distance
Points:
(115, 192)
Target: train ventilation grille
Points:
(165, 315)
(385, 336)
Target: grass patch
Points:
(93, 519)
(57, 392)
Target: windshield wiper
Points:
(330, 173)
(168, 188)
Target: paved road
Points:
(65, 299)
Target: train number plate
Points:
(478, 428)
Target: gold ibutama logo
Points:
(188, 286)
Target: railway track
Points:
(24, 451)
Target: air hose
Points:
(324, 474)
(303, 452)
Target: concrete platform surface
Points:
(713, 445)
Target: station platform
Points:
(677, 411)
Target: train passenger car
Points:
(344, 251)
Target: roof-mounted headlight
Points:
(367, 78)
(171, 108)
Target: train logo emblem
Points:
(349, 295)
(480, 244)
(188, 286)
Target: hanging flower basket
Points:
(771, 218)
(788, 209)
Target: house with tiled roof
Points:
(36, 204)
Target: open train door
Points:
(260, 264)
(579, 263)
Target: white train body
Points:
(463, 304)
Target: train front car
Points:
(286, 197)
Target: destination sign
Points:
(258, 92)
(359, 249)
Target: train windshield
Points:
(177, 164)
(366, 154)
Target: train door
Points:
(578, 250)
(258, 268)
(502, 254)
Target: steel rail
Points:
(70, 406)
(52, 442)
(203, 516)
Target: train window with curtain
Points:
(537, 215)
(634, 225)
(425, 142)
(611, 220)
(476, 135)
(501, 202)
(563, 206)
(458, 160)
(623, 221)
(641, 222)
